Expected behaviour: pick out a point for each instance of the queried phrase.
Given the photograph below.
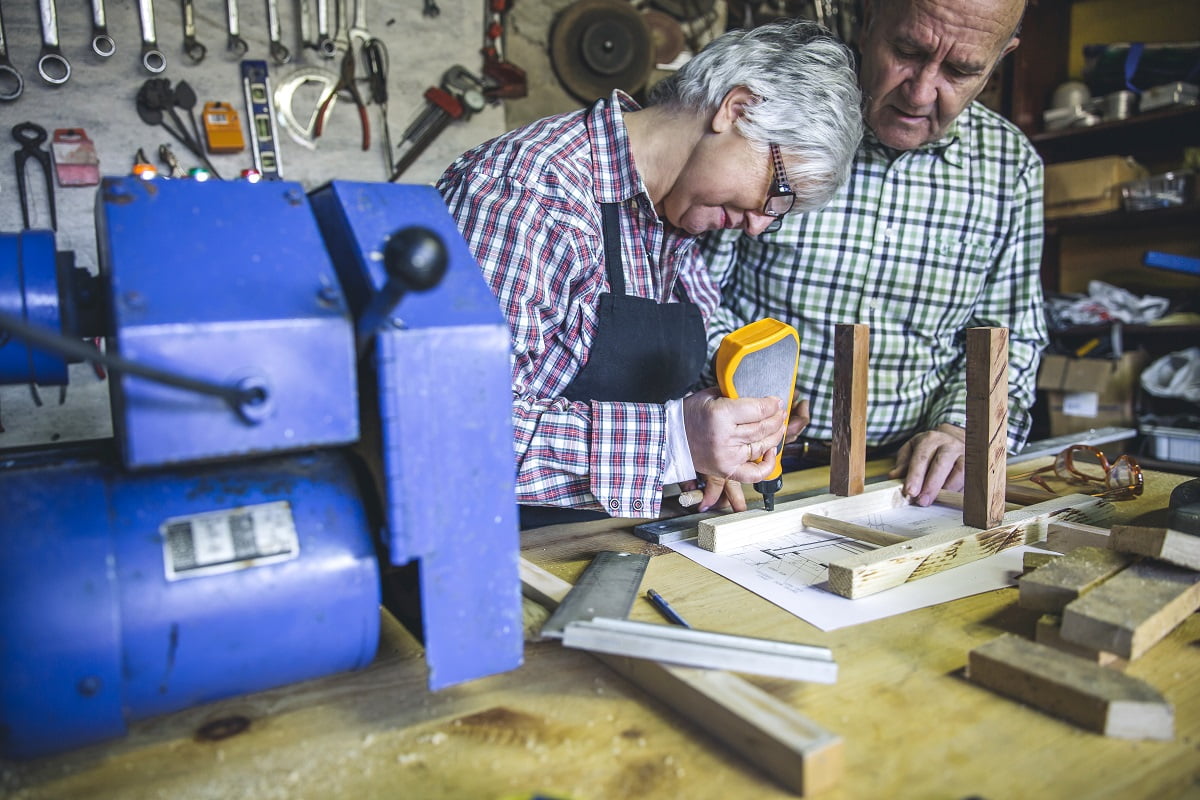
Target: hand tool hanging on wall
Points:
(155, 97)
(279, 53)
(346, 83)
(191, 48)
(102, 44)
(75, 160)
(505, 79)
(306, 30)
(326, 45)
(52, 65)
(222, 128)
(256, 84)
(31, 136)
(11, 82)
(152, 58)
(234, 42)
(376, 57)
(429, 8)
(459, 96)
(310, 79)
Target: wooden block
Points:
(867, 573)
(848, 458)
(1048, 631)
(1063, 536)
(1181, 549)
(801, 755)
(987, 427)
(1031, 560)
(1131, 611)
(730, 531)
(1049, 588)
(1084, 693)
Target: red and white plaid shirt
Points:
(528, 205)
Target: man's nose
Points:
(920, 89)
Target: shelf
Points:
(1122, 220)
(1157, 131)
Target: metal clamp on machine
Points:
(234, 538)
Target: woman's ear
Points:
(736, 101)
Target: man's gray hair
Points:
(809, 103)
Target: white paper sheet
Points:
(790, 571)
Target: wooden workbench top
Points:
(566, 726)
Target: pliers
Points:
(346, 82)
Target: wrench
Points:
(11, 82)
(152, 58)
(235, 43)
(102, 43)
(358, 34)
(306, 32)
(52, 65)
(278, 52)
(193, 49)
(326, 46)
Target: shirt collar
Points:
(952, 146)
(615, 174)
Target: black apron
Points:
(643, 352)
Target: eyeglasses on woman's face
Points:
(780, 198)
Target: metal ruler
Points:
(607, 588)
(257, 86)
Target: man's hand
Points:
(932, 461)
(727, 437)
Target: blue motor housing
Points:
(29, 292)
(149, 593)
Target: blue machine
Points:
(223, 547)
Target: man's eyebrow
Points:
(904, 41)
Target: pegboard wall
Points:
(100, 95)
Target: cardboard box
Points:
(1091, 186)
(1085, 393)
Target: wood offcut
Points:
(987, 427)
(848, 456)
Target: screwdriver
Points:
(376, 58)
(760, 360)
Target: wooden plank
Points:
(1181, 549)
(867, 573)
(1048, 631)
(798, 753)
(945, 497)
(1087, 694)
(1063, 536)
(1049, 588)
(1032, 559)
(851, 530)
(730, 531)
(987, 426)
(1131, 611)
(848, 457)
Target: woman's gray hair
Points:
(809, 102)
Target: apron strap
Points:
(613, 264)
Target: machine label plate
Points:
(228, 540)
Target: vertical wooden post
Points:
(848, 457)
(987, 426)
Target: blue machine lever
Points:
(415, 259)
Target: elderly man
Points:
(939, 229)
(584, 225)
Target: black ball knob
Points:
(416, 258)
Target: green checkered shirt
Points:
(920, 246)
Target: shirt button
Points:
(637, 505)
(614, 504)
(888, 233)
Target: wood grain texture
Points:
(792, 749)
(1063, 536)
(851, 345)
(1181, 549)
(1084, 693)
(1048, 631)
(1131, 611)
(721, 534)
(1049, 588)
(987, 426)
(867, 573)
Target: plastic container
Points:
(1181, 445)
(1157, 191)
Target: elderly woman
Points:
(584, 226)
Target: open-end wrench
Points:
(278, 52)
(326, 46)
(306, 31)
(152, 58)
(358, 33)
(234, 43)
(102, 44)
(191, 48)
(11, 82)
(52, 65)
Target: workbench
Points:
(566, 726)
